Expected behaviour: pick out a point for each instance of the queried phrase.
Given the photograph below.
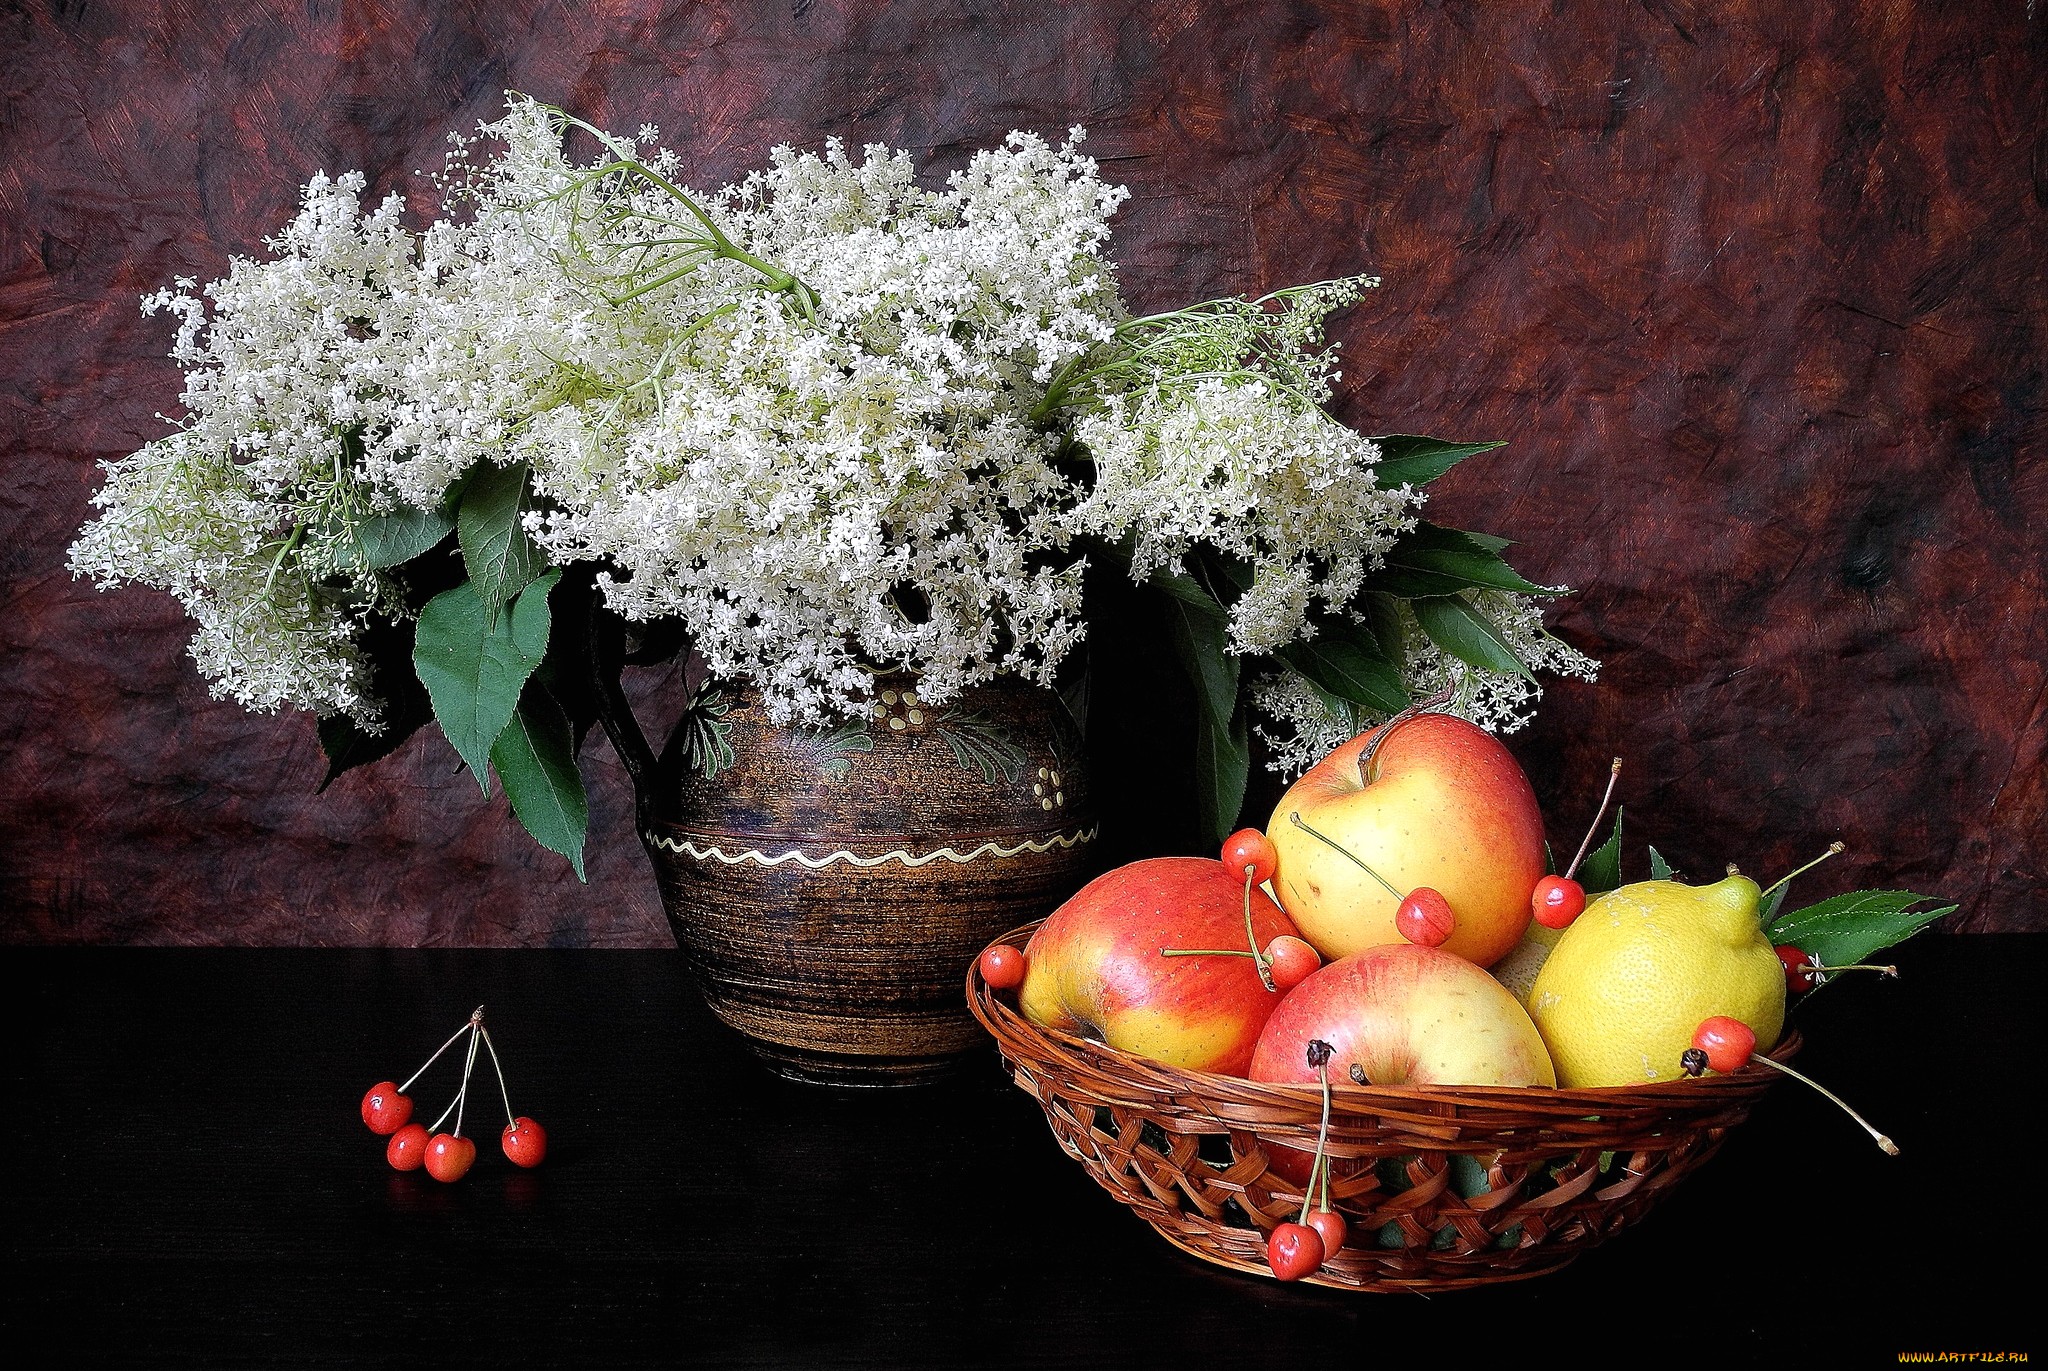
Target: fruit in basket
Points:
(1295, 1250)
(1627, 984)
(1002, 966)
(1097, 965)
(1440, 803)
(1408, 1015)
(1517, 971)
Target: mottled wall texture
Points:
(1755, 289)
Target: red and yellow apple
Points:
(1096, 967)
(1405, 1015)
(1444, 806)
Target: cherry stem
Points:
(1837, 846)
(1371, 749)
(1321, 1165)
(1613, 775)
(455, 1105)
(1891, 1149)
(1251, 938)
(1818, 970)
(476, 1017)
(1240, 952)
(506, 1095)
(1295, 819)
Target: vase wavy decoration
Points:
(828, 887)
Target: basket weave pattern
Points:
(1442, 1186)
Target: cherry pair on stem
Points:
(1299, 1248)
(1286, 961)
(387, 1110)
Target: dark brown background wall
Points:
(1756, 289)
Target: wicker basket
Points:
(1442, 1186)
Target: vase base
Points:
(849, 1071)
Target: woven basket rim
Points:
(1011, 1030)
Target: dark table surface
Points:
(189, 1184)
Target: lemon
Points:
(1620, 995)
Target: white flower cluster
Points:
(243, 511)
(1303, 725)
(829, 420)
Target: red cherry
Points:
(1425, 917)
(1801, 968)
(384, 1109)
(1291, 961)
(1330, 1227)
(1002, 966)
(1295, 1250)
(449, 1157)
(524, 1141)
(407, 1150)
(1250, 848)
(1727, 1043)
(1557, 901)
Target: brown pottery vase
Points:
(829, 887)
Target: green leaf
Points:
(1383, 614)
(1601, 871)
(1222, 747)
(500, 557)
(536, 763)
(1199, 642)
(1461, 630)
(1188, 592)
(1223, 764)
(387, 649)
(1767, 913)
(1344, 660)
(1660, 870)
(1409, 459)
(1430, 560)
(385, 540)
(474, 662)
(1847, 929)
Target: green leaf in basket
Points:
(1848, 929)
(1469, 1176)
(1601, 871)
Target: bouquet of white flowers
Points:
(819, 424)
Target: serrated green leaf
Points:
(1344, 660)
(1454, 625)
(1660, 870)
(475, 662)
(1601, 871)
(1848, 929)
(1446, 559)
(1409, 459)
(536, 763)
(1188, 591)
(496, 551)
(385, 540)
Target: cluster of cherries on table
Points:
(387, 1110)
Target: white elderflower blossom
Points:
(828, 420)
